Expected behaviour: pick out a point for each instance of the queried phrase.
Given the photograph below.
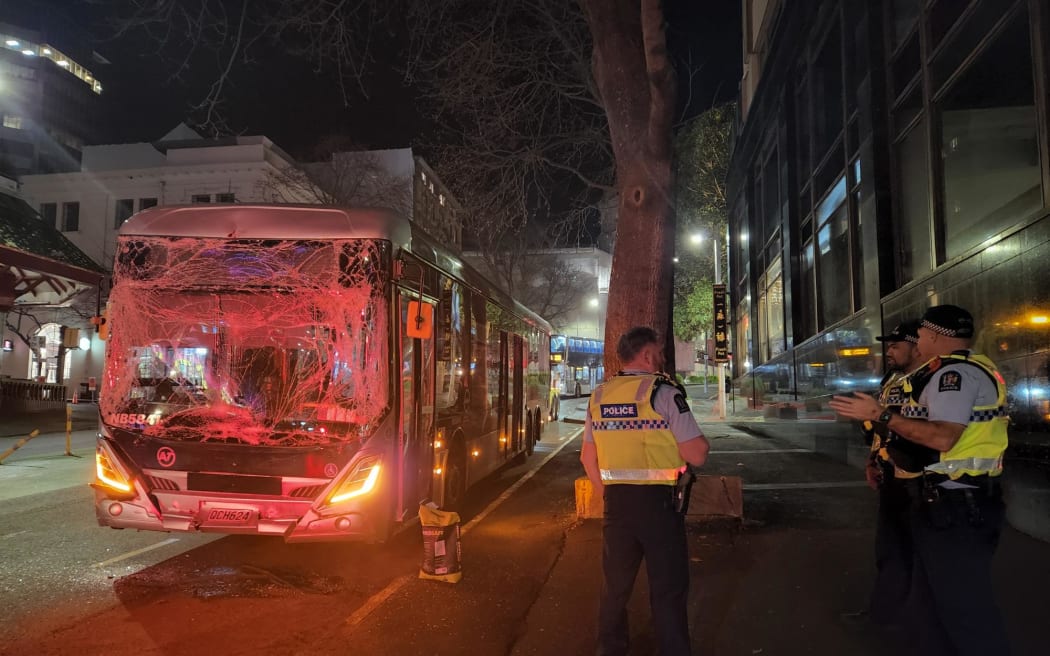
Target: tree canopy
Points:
(701, 163)
(544, 103)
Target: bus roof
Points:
(292, 221)
(269, 222)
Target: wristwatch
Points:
(884, 416)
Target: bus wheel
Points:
(531, 426)
(455, 477)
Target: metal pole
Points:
(707, 356)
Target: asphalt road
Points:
(69, 586)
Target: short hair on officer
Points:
(633, 341)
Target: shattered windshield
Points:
(281, 343)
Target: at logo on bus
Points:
(165, 456)
(619, 410)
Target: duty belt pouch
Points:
(934, 505)
(973, 510)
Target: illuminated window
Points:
(13, 122)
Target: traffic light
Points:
(101, 326)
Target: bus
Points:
(576, 364)
(309, 372)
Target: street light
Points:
(698, 238)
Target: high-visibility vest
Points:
(887, 447)
(635, 443)
(979, 450)
(906, 458)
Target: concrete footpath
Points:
(779, 581)
(41, 465)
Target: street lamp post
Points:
(719, 366)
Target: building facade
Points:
(50, 102)
(115, 181)
(890, 156)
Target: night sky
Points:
(285, 100)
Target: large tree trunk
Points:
(637, 86)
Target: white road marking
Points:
(378, 598)
(747, 451)
(816, 485)
(513, 488)
(11, 535)
(132, 554)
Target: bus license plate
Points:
(230, 516)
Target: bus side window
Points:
(449, 331)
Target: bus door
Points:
(416, 423)
(503, 423)
(517, 391)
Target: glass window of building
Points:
(125, 207)
(770, 196)
(827, 93)
(49, 213)
(70, 217)
(905, 15)
(201, 198)
(989, 142)
(771, 312)
(145, 203)
(807, 291)
(225, 198)
(913, 225)
(13, 122)
(833, 257)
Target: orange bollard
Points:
(69, 427)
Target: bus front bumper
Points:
(293, 519)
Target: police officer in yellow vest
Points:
(639, 435)
(890, 467)
(956, 408)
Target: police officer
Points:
(893, 556)
(956, 408)
(639, 435)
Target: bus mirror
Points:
(420, 321)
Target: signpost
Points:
(721, 315)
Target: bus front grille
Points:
(307, 492)
(235, 483)
(158, 483)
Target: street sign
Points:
(721, 324)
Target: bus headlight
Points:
(110, 475)
(361, 480)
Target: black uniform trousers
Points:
(893, 552)
(952, 601)
(639, 523)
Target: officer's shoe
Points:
(861, 620)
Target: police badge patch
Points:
(950, 381)
(680, 401)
